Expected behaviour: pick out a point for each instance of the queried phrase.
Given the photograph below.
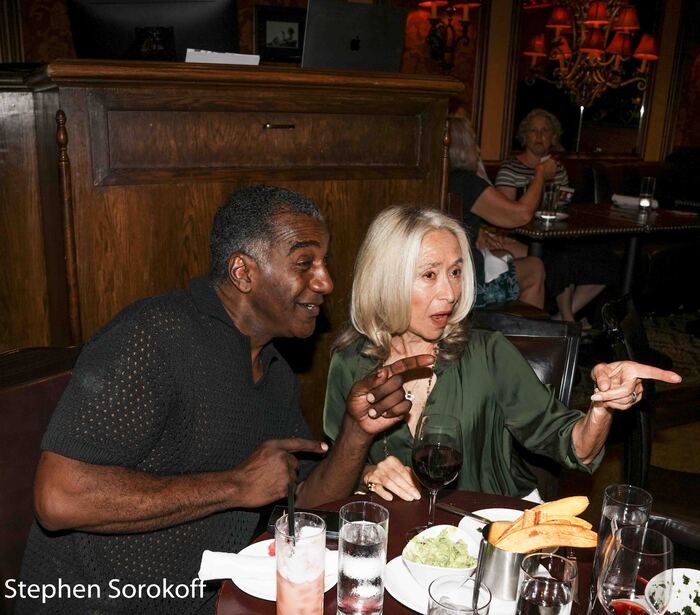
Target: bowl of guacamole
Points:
(440, 550)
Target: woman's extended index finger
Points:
(656, 373)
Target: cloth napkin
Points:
(217, 565)
(630, 202)
(493, 265)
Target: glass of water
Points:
(362, 544)
(646, 192)
(623, 505)
(452, 595)
(545, 585)
(550, 200)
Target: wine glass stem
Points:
(431, 506)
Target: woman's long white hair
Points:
(380, 306)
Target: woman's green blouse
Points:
(498, 399)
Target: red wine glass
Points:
(637, 572)
(437, 455)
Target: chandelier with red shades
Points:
(589, 48)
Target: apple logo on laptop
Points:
(355, 43)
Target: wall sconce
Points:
(448, 30)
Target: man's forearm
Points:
(590, 432)
(337, 475)
(70, 494)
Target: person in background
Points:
(538, 133)
(181, 419)
(521, 276)
(412, 291)
(576, 273)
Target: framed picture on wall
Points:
(279, 33)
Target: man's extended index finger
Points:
(296, 445)
(408, 363)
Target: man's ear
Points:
(240, 267)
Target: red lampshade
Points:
(597, 14)
(626, 19)
(560, 19)
(621, 45)
(465, 6)
(594, 43)
(647, 50)
(430, 3)
(529, 5)
(535, 47)
(433, 6)
(562, 50)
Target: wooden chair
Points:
(31, 382)
(551, 348)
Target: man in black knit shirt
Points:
(181, 419)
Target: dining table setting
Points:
(523, 558)
(402, 593)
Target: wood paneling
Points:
(155, 148)
(23, 293)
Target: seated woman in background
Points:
(413, 288)
(576, 273)
(539, 134)
(524, 278)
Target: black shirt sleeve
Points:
(470, 186)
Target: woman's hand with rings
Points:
(390, 477)
(619, 385)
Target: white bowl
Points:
(685, 593)
(426, 574)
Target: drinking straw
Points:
(290, 510)
(479, 574)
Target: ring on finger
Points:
(634, 397)
(370, 485)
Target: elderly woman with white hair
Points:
(413, 288)
(538, 134)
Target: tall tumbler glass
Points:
(301, 562)
(362, 544)
(546, 585)
(549, 202)
(646, 192)
(623, 505)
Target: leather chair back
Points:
(551, 348)
(32, 381)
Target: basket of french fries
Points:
(543, 528)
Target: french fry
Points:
(563, 508)
(547, 535)
(569, 521)
(496, 529)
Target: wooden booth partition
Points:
(146, 152)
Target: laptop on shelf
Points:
(350, 35)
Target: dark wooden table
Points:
(402, 517)
(591, 220)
